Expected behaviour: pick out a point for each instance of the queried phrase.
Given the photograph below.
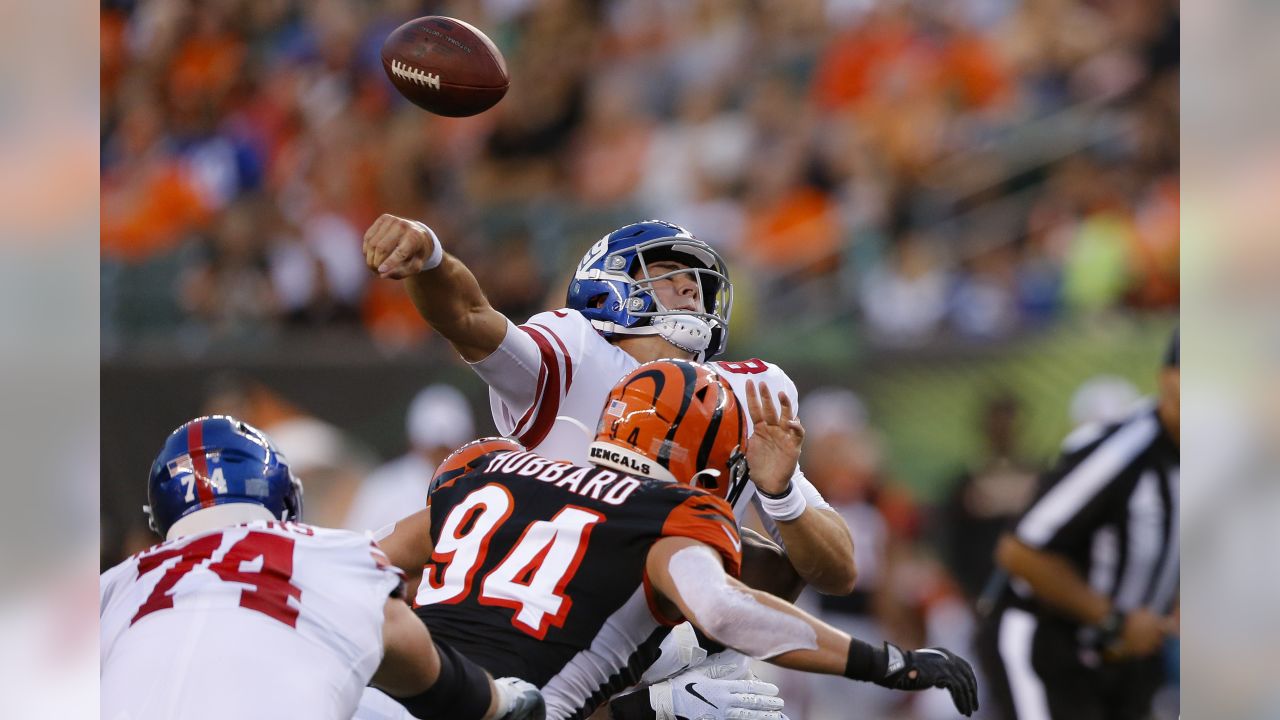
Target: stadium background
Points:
(939, 206)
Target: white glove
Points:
(679, 650)
(695, 696)
(518, 700)
(726, 665)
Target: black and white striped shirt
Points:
(1110, 506)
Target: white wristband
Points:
(788, 507)
(437, 253)
(661, 702)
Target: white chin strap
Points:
(687, 332)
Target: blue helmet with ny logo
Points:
(216, 460)
(614, 288)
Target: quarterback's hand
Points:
(396, 248)
(932, 667)
(774, 446)
(695, 696)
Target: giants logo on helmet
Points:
(596, 252)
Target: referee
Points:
(1091, 588)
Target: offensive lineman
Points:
(564, 575)
(646, 291)
(243, 612)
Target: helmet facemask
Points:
(614, 287)
(713, 480)
(714, 292)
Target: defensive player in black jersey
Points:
(569, 576)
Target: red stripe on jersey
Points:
(550, 395)
(199, 464)
(541, 386)
(568, 360)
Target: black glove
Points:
(932, 667)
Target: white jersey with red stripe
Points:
(258, 620)
(549, 379)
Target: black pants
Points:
(1034, 672)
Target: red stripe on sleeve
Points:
(564, 352)
(199, 464)
(548, 403)
(537, 396)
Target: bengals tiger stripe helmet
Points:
(467, 458)
(674, 420)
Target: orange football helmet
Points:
(674, 420)
(463, 460)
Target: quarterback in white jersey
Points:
(244, 613)
(646, 291)
(550, 376)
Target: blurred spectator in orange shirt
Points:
(207, 64)
(970, 71)
(113, 55)
(149, 201)
(149, 214)
(392, 320)
(1156, 245)
(790, 224)
(798, 229)
(853, 61)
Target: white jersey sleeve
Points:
(738, 373)
(244, 621)
(548, 381)
(512, 373)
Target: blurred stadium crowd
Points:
(963, 169)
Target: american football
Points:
(445, 66)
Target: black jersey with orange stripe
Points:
(538, 571)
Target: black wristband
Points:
(790, 487)
(635, 706)
(865, 662)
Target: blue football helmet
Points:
(216, 460)
(613, 289)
